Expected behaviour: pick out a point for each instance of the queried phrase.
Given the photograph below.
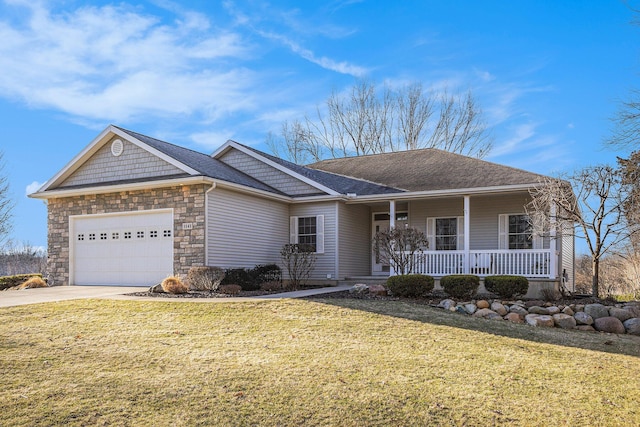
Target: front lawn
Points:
(295, 362)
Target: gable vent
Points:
(117, 147)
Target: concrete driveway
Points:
(62, 293)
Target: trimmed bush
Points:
(507, 286)
(410, 285)
(205, 278)
(263, 273)
(174, 285)
(7, 282)
(241, 277)
(460, 286)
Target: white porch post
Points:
(392, 214)
(553, 243)
(467, 225)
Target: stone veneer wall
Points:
(188, 203)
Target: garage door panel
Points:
(127, 249)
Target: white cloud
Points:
(115, 63)
(33, 187)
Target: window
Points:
(308, 230)
(115, 235)
(127, 235)
(166, 233)
(92, 236)
(80, 237)
(515, 232)
(103, 236)
(519, 232)
(445, 234)
(153, 233)
(140, 234)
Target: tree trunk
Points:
(595, 275)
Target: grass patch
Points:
(294, 362)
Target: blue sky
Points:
(548, 74)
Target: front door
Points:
(380, 222)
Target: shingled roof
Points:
(427, 170)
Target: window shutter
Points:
(320, 234)
(503, 231)
(461, 230)
(431, 233)
(293, 230)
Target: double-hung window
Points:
(445, 234)
(515, 232)
(308, 230)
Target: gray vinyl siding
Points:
(133, 163)
(243, 230)
(484, 212)
(354, 249)
(325, 262)
(267, 174)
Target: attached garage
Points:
(130, 249)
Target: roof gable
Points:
(428, 169)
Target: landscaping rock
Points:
(157, 289)
(578, 307)
(519, 310)
(499, 308)
(621, 314)
(553, 310)
(564, 321)
(482, 304)
(585, 328)
(533, 303)
(596, 311)
(378, 290)
(539, 320)
(460, 309)
(359, 288)
(567, 310)
(447, 304)
(485, 313)
(609, 324)
(634, 308)
(514, 318)
(632, 326)
(536, 309)
(583, 318)
(470, 308)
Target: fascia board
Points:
(233, 144)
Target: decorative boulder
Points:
(499, 308)
(447, 304)
(539, 320)
(482, 304)
(553, 310)
(609, 324)
(514, 317)
(519, 310)
(359, 288)
(486, 313)
(583, 318)
(568, 310)
(596, 310)
(378, 290)
(536, 309)
(157, 289)
(470, 308)
(632, 326)
(585, 328)
(564, 321)
(621, 314)
(634, 308)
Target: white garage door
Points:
(123, 249)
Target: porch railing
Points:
(521, 262)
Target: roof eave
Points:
(440, 193)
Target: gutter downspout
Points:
(206, 222)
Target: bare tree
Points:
(596, 207)
(6, 205)
(397, 246)
(371, 121)
(626, 130)
(299, 260)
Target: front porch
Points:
(531, 263)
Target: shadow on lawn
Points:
(415, 310)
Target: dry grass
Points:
(32, 283)
(291, 362)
